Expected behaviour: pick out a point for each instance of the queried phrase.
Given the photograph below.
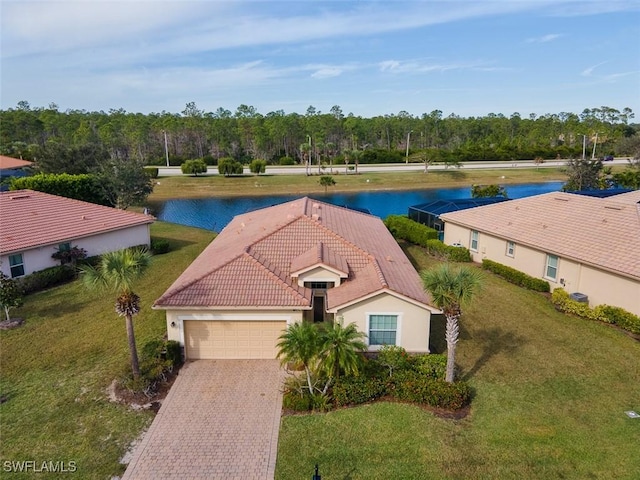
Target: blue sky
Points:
(370, 58)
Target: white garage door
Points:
(240, 339)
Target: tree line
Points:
(75, 141)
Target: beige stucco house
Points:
(583, 244)
(303, 260)
(34, 225)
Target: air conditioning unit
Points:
(579, 297)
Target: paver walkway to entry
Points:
(219, 421)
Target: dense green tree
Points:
(258, 166)
(451, 289)
(10, 294)
(583, 175)
(482, 191)
(194, 167)
(125, 182)
(118, 271)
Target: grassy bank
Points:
(214, 185)
(56, 367)
(551, 392)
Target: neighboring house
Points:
(303, 260)
(586, 245)
(34, 225)
(12, 167)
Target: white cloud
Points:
(413, 66)
(587, 72)
(545, 38)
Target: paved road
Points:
(220, 421)
(394, 167)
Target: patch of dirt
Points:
(11, 323)
(140, 400)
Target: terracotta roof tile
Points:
(30, 219)
(8, 163)
(284, 238)
(601, 232)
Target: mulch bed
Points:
(11, 323)
(140, 400)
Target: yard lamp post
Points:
(316, 476)
(408, 138)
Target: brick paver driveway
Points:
(219, 421)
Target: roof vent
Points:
(84, 217)
(18, 197)
(315, 216)
(561, 199)
(316, 205)
(613, 207)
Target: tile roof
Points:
(250, 262)
(320, 254)
(602, 232)
(7, 163)
(29, 219)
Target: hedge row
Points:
(47, 278)
(406, 229)
(449, 252)
(413, 387)
(603, 313)
(516, 276)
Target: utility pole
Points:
(408, 138)
(593, 155)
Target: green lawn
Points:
(56, 368)
(551, 392)
(214, 185)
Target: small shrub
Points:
(357, 390)
(173, 352)
(394, 358)
(47, 278)
(286, 161)
(152, 172)
(296, 401)
(320, 402)
(433, 365)
(159, 246)
(414, 387)
(228, 166)
(516, 276)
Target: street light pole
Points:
(166, 147)
(584, 147)
(593, 155)
(408, 138)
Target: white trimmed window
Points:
(16, 265)
(383, 329)
(474, 241)
(511, 249)
(551, 269)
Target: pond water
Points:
(215, 213)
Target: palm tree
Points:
(451, 289)
(300, 344)
(117, 271)
(327, 181)
(339, 351)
